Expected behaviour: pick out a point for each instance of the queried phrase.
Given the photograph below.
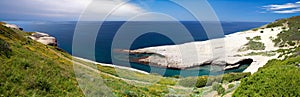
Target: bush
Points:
(215, 86)
(235, 76)
(221, 90)
(218, 87)
(188, 82)
(253, 44)
(167, 81)
(205, 80)
(201, 82)
(248, 38)
(231, 86)
(281, 76)
(255, 29)
(291, 43)
(5, 49)
(276, 23)
(257, 38)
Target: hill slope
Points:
(28, 68)
(278, 78)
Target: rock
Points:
(44, 38)
(219, 52)
(13, 26)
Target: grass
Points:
(267, 53)
(31, 70)
(202, 81)
(290, 36)
(253, 44)
(277, 23)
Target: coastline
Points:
(239, 38)
(230, 44)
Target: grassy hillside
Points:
(291, 35)
(278, 78)
(28, 68)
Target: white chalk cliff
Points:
(215, 51)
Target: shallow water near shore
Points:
(64, 32)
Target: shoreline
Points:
(259, 60)
(231, 44)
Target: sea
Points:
(64, 31)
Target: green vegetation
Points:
(205, 80)
(277, 23)
(267, 53)
(291, 36)
(253, 44)
(218, 87)
(255, 29)
(257, 38)
(231, 86)
(28, 68)
(282, 76)
(5, 49)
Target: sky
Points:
(122, 10)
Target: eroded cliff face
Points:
(224, 51)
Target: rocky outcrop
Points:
(165, 61)
(13, 26)
(44, 38)
(224, 52)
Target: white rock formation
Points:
(44, 38)
(13, 26)
(216, 51)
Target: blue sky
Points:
(70, 10)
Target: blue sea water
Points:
(64, 32)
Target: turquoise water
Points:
(64, 32)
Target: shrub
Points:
(253, 44)
(291, 43)
(248, 38)
(167, 81)
(219, 88)
(276, 23)
(257, 38)
(202, 81)
(231, 86)
(235, 76)
(5, 49)
(255, 29)
(215, 86)
(281, 76)
(188, 82)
